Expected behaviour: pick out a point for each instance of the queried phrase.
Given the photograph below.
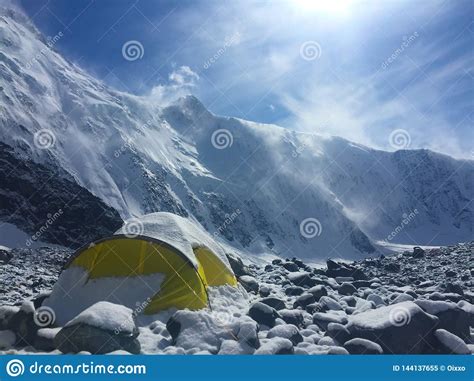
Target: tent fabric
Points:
(174, 272)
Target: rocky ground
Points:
(415, 302)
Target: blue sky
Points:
(356, 69)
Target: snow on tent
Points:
(159, 261)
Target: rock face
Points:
(398, 328)
(102, 328)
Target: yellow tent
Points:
(157, 262)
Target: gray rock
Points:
(83, 337)
(347, 289)
(360, 346)
(237, 265)
(303, 279)
(448, 343)
(323, 319)
(23, 324)
(418, 252)
(398, 328)
(294, 290)
(291, 267)
(249, 283)
(274, 302)
(287, 331)
(338, 332)
(263, 314)
(303, 300)
(294, 317)
(275, 346)
(451, 317)
(318, 291)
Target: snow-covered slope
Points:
(259, 187)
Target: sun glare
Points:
(335, 7)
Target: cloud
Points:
(181, 82)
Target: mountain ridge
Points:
(138, 157)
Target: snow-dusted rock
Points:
(249, 283)
(45, 339)
(24, 325)
(395, 328)
(360, 346)
(451, 316)
(275, 346)
(287, 331)
(7, 339)
(347, 289)
(197, 329)
(295, 317)
(102, 328)
(6, 313)
(303, 300)
(376, 299)
(274, 302)
(263, 314)
(402, 298)
(450, 343)
(232, 347)
(330, 304)
(247, 332)
(338, 332)
(323, 319)
(318, 291)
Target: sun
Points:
(335, 7)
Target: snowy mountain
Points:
(260, 188)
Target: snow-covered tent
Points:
(151, 264)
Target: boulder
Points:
(7, 339)
(318, 291)
(398, 328)
(451, 317)
(6, 314)
(274, 302)
(263, 314)
(338, 332)
(418, 252)
(335, 269)
(303, 279)
(287, 331)
(45, 339)
(448, 343)
(200, 329)
(237, 265)
(232, 347)
(303, 300)
(294, 290)
(360, 346)
(294, 317)
(291, 267)
(275, 346)
(329, 303)
(23, 324)
(392, 267)
(322, 320)
(247, 333)
(347, 289)
(102, 328)
(264, 291)
(249, 283)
